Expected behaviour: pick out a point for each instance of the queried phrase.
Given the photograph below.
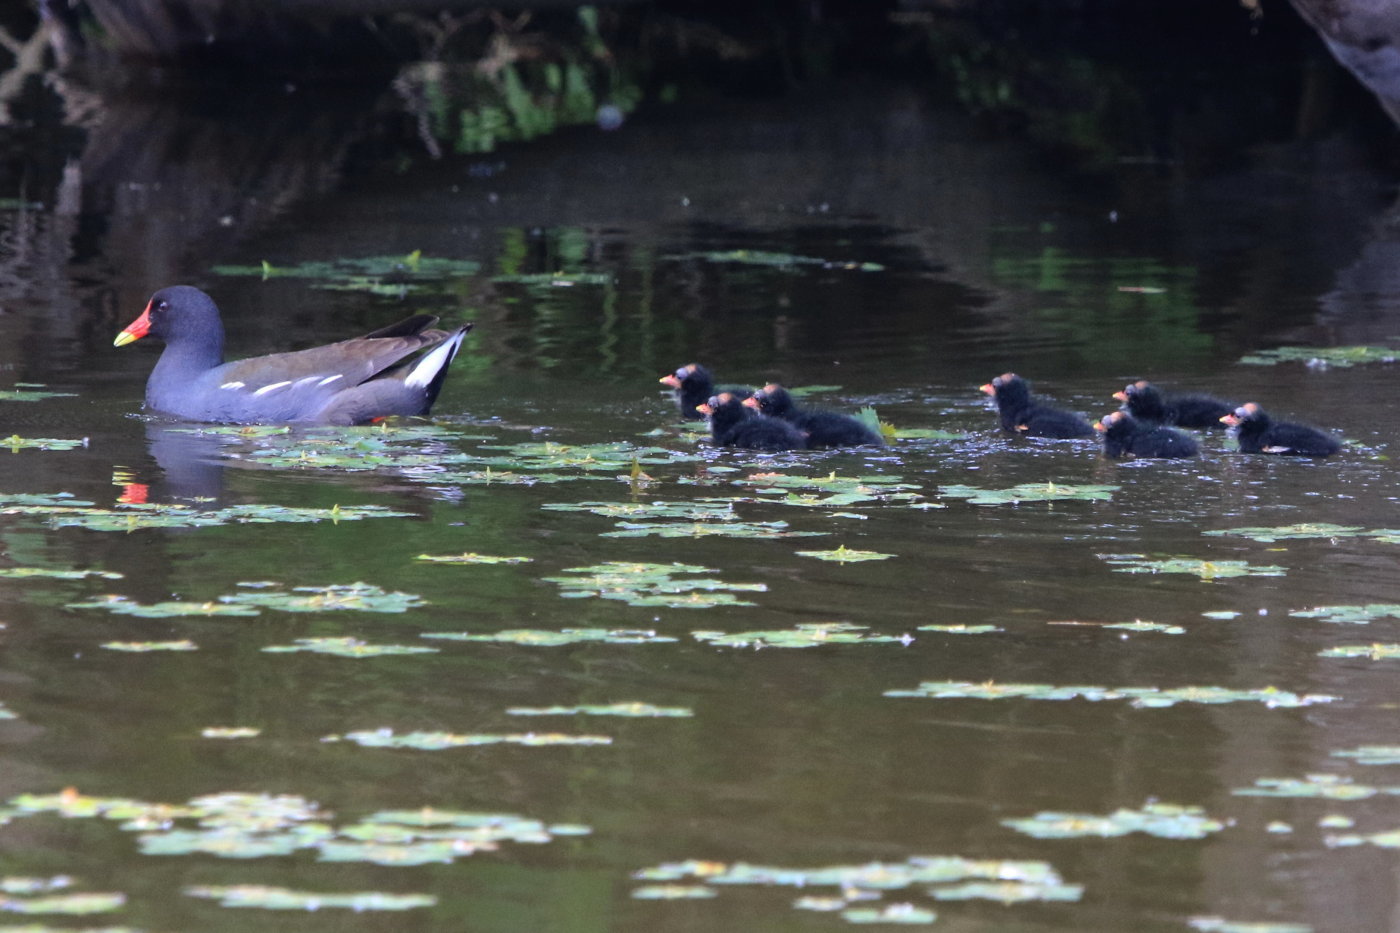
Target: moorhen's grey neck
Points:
(397, 370)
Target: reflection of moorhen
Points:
(733, 425)
(823, 428)
(693, 387)
(1146, 402)
(1020, 414)
(397, 370)
(1257, 433)
(1124, 434)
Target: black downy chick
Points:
(1020, 414)
(733, 425)
(823, 428)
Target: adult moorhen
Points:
(1020, 414)
(824, 428)
(733, 425)
(1257, 433)
(396, 370)
(1124, 434)
(1146, 402)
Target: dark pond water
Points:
(788, 784)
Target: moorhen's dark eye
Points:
(163, 306)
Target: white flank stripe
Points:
(232, 385)
(429, 366)
(274, 387)
(329, 379)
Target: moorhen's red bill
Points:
(396, 370)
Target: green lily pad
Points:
(807, 635)
(568, 636)
(1143, 697)
(436, 741)
(1376, 652)
(781, 261)
(1372, 754)
(631, 710)
(677, 586)
(673, 892)
(346, 647)
(31, 392)
(139, 647)
(1325, 786)
(357, 597)
(1383, 840)
(1322, 356)
(1010, 892)
(136, 516)
(70, 904)
(272, 898)
(728, 529)
(12, 884)
(1137, 625)
(1164, 820)
(555, 279)
(962, 629)
(1350, 615)
(1028, 492)
(845, 555)
(1207, 570)
(1222, 614)
(1221, 925)
(892, 914)
(1300, 530)
(697, 511)
(121, 605)
(230, 732)
(55, 573)
(16, 443)
(472, 558)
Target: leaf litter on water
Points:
(1142, 697)
(1164, 820)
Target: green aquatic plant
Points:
(1297, 531)
(472, 558)
(31, 392)
(1143, 697)
(354, 597)
(55, 573)
(1010, 892)
(436, 741)
(171, 609)
(16, 443)
(1322, 356)
(1349, 615)
(393, 276)
(703, 510)
(230, 732)
(724, 529)
(782, 261)
(628, 710)
(346, 647)
(1212, 924)
(76, 904)
(1371, 754)
(1207, 570)
(1164, 820)
(1138, 625)
(141, 647)
(677, 586)
(274, 898)
(845, 555)
(1028, 492)
(889, 915)
(961, 629)
(1376, 652)
(568, 636)
(1325, 786)
(138, 516)
(806, 635)
(673, 892)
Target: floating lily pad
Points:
(1222, 614)
(230, 732)
(1326, 786)
(1207, 570)
(357, 597)
(830, 491)
(845, 555)
(1027, 492)
(637, 710)
(136, 516)
(346, 647)
(1322, 356)
(782, 261)
(1384, 840)
(121, 605)
(472, 558)
(139, 647)
(436, 741)
(1155, 697)
(1221, 925)
(271, 898)
(11, 884)
(728, 529)
(673, 892)
(807, 635)
(676, 586)
(695, 511)
(1164, 820)
(1301, 530)
(55, 573)
(380, 275)
(16, 443)
(1376, 652)
(1372, 754)
(892, 914)
(1350, 615)
(962, 629)
(555, 279)
(70, 904)
(1137, 625)
(568, 636)
(31, 392)
(1010, 892)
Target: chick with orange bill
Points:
(1257, 433)
(1146, 402)
(733, 425)
(1022, 414)
(823, 428)
(1124, 435)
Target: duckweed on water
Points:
(568, 636)
(1207, 570)
(631, 710)
(246, 826)
(1164, 820)
(1141, 697)
(437, 741)
(1372, 754)
(807, 635)
(271, 898)
(643, 584)
(346, 647)
(1028, 492)
(1350, 615)
(845, 555)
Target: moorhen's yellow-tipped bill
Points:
(136, 329)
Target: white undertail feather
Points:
(426, 369)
